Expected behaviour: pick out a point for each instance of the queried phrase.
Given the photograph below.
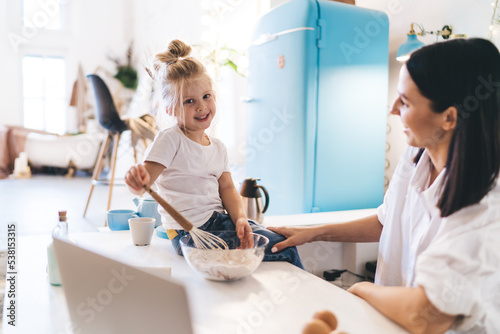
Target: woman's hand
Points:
(357, 288)
(136, 177)
(243, 230)
(295, 236)
(407, 306)
(366, 229)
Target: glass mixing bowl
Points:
(225, 265)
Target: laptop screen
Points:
(108, 296)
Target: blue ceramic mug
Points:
(118, 219)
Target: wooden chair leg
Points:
(145, 143)
(116, 138)
(135, 154)
(97, 168)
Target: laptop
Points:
(108, 296)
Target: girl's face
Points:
(423, 127)
(198, 103)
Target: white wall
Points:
(157, 22)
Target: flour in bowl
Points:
(224, 264)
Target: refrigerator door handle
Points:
(264, 38)
(247, 99)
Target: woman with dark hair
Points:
(438, 228)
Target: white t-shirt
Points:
(190, 180)
(455, 259)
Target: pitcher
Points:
(252, 199)
(147, 207)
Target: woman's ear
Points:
(450, 119)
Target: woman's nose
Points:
(394, 110)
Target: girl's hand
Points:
(295, 236)
(243, 230)
(136, 177)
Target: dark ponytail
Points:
(464, 74)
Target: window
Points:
(44, 93)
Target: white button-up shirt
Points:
(455, 259)
(410, 218)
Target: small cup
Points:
(141, 229)
(118, 219)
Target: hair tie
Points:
(174, 61)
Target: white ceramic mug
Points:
(141, 229)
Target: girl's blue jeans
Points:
(220, 221)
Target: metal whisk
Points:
(201, 239)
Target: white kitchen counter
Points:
(318, 218)
(277, 298)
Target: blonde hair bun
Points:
(176, 49)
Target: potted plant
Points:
(126, 73)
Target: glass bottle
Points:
(60, 231)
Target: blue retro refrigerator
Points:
(317, 106)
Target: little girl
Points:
(189, 168)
